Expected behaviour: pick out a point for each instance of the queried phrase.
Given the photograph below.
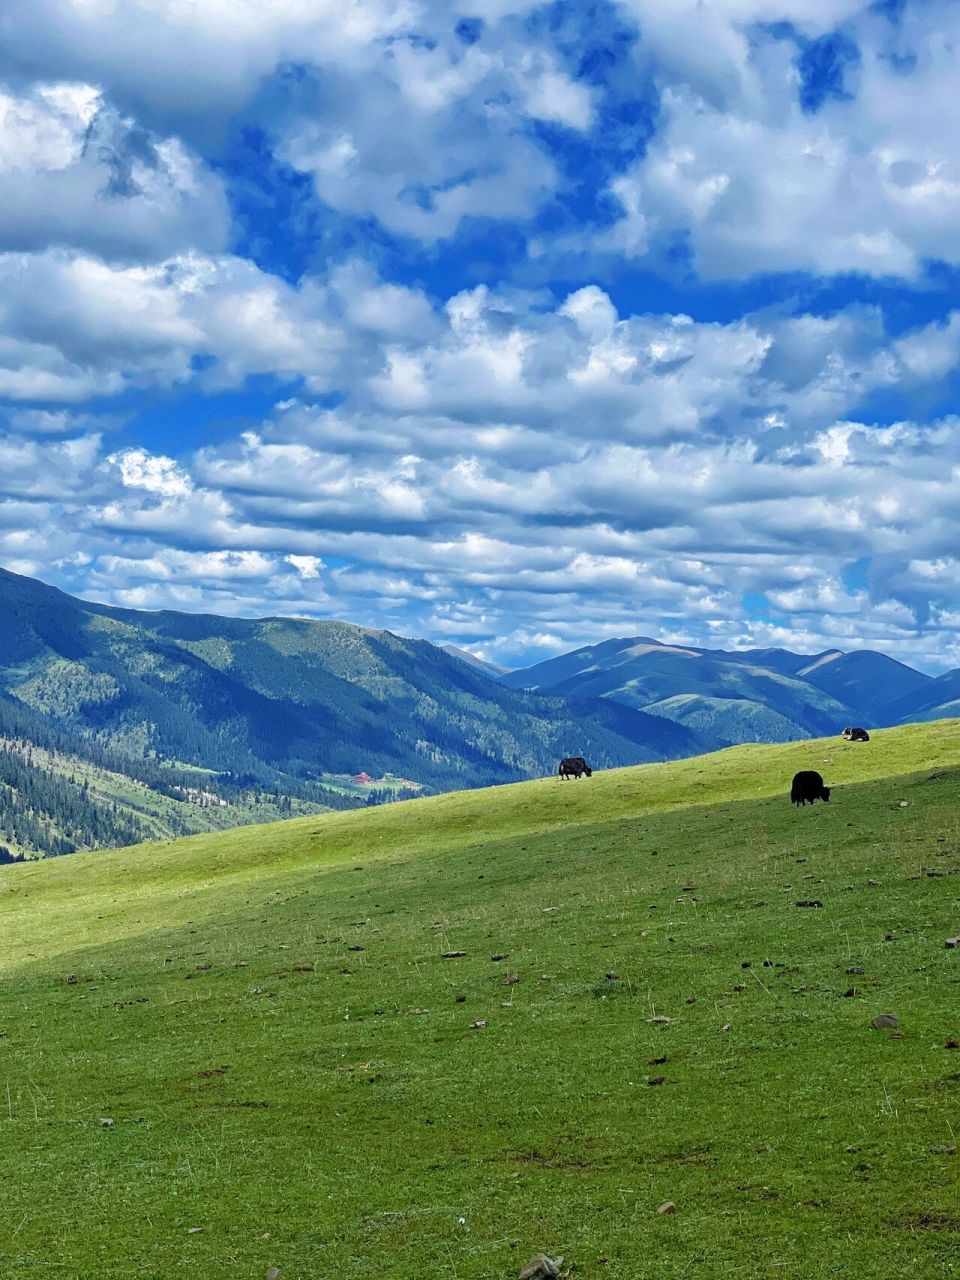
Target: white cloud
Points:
(194, 63)
(73, 326)
(184, 566)
(403, 121)
(586, 371)
(306, 566)
(550, 94)
(381, 148)
(708, 47)
(59, 422)
(75, 172)
(48, 470)
(869, 183)
(141, 470)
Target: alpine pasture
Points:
(435, 1038)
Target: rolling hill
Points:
(433, 1039)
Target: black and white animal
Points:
(573, 767)
(808, 785)
(855, 735)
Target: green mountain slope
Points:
(493, 670)
(867, 682)
(733, 720)
(642, 673)
(433, 1039)
(283, 706)
(939, 698)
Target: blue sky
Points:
(514, 326)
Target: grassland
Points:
(288, 1052)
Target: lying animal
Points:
(855, 735)
(808, 785)
(573, 767)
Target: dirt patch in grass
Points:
(934, 1221)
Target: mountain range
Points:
(171, 722)
(753, 695)
(118, 725)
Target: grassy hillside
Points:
(273, 705)
(303, 1071)
(735, 719)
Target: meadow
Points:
(433, 1038)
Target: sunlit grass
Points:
(268, 1018)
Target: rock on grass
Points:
(541, 1267)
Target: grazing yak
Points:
(855, 735)
(808, 785)
(573, 767)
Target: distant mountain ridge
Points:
(492, 669)
(939, 699)
(270, 715)
(768, 695)
(118, 725)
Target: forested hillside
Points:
(60, 792)
(164, 723)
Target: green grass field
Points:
(298, 1077)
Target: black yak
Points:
(573, 767)
(808, 785)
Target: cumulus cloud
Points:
(868, 183)
(432, 134)
(710, 48)
(594, 471)
(193, 64)
(583, 369)
(76, 172)
(396, 115)
(49, 471)
(141, 470)
(73, 326)
(390, 112)
(669, 538)
(520, 470)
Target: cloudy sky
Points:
(514, 326)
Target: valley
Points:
(118, 725)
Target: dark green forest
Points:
(41, 810)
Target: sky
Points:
(512, 326)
